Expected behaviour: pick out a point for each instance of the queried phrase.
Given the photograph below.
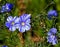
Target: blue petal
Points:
(25, 16)
(22, 17)
(49, 33)
(49, 39)
(27, 27)
(52, 36)
(16, 20)
(28, 21)
(10, 18)
(9, 6)
(3, 9)
(22, 29)
(7, 24)
(28, 16)
(53, 30)
(52, 13)
(54, 43)
(12, 28)
(17, 26)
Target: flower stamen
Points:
(12, 23)
(23, 23)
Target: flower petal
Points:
(49, 33)
(12, 28)
(10, 18)
(53, 30)
(49, 39)
(17, 26)
(27, 26)
(28, 16)
(22, 29)
(7, 24)
(17, 20)
(28, 21)
(25, 16)
(54, 42)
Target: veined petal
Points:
(22, 17)
(12, 28)
(22, 29)
(28, 16)
(10, 18)
(14, 17)
(28, 21)
(27, 27)
(17, 20)
(17, 26)
(25, 16)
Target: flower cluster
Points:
(21, 23)
(51, 36)
(52, 13)
(7, 7)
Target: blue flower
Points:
(53, 30)
(52, 13)
(51, 36)
(12, 23)
(52, 39)
(3, 9)
(24, 23)
(4, 46)
(7, 7)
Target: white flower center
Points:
(23, 23)
(12, 23)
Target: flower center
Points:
(12, 23)
(23, 23)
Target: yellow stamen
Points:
(23, 23)
(12, 23)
